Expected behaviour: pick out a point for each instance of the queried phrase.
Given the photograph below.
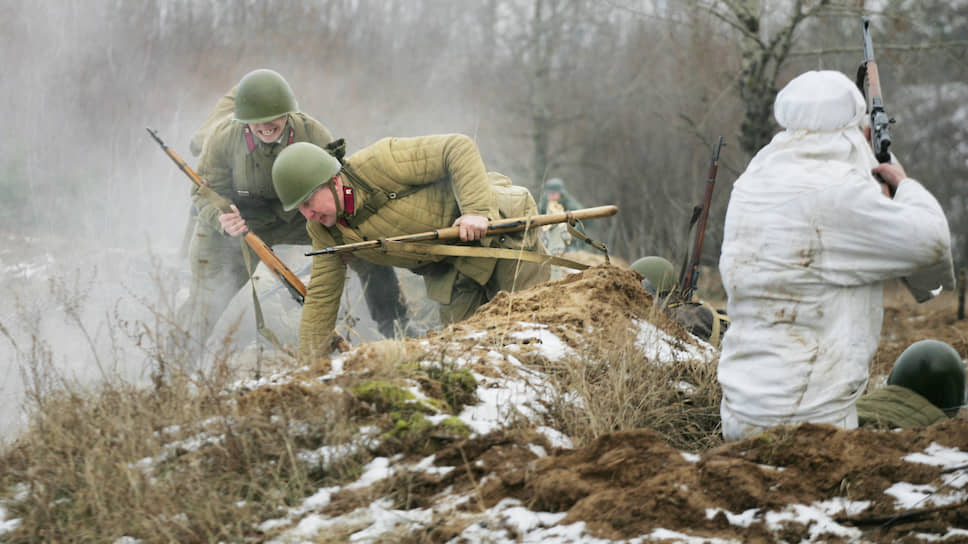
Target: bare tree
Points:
(764, 53)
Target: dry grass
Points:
(195, 457)
(186, 462)
(612, 386)
(190, 458)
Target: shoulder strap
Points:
(375, 198)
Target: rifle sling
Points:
(260, 325)
(410, 249)
(584, 238)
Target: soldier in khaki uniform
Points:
(926, 385)
(237, 154)
(695, 316)
(393, 187)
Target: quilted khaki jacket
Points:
(454, 182)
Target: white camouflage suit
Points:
(809, 240)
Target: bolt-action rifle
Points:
(700, 216)
(292, 282)
(880, 121)
(494, 227)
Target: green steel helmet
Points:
(660, 275)
(555, 184)
(299, 170)
(263, 96)
(934, 370)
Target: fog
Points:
(621, 99)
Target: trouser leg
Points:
(218, 271)
(381, 290)
(465, 298)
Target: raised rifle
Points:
(880, 121)
(494, 227)
(700, 216)
(292, 282)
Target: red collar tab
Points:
(250, 141)
(349, 204)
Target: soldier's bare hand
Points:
(890, 174)
(471, 227)
(232, 223)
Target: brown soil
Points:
(626, 484)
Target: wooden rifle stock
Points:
(690, 274)
(292, 282)
(494, 227)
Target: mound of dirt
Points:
(631, 483)
(809, 483)
(603, 300)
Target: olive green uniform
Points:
(895, 406)
(452, 181)
(244, 177)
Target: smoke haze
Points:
(621, 99)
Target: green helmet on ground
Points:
(934, 370)
(658, 272)
(300, 169)
(263, 96)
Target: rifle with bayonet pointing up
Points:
(292, 282)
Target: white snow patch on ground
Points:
(660, 347)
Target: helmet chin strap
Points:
(337, 198)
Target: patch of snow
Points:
(548, 344)
(940, 456)
(908, 496)
(660, 347)
(556, 438)
(691, 457)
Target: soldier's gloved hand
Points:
(232, 223)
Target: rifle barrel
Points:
(498, 226)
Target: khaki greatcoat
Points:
(453, 181)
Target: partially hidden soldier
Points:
(239, 143)
(557, 238)
(555, 192)
(925, 386)
(697, 317)
(400, 186)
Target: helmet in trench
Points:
(934, 370)
(299, 170)
(660, 275)
(263, 96)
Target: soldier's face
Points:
(320, 206)
(554, 195)
(270, 131)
